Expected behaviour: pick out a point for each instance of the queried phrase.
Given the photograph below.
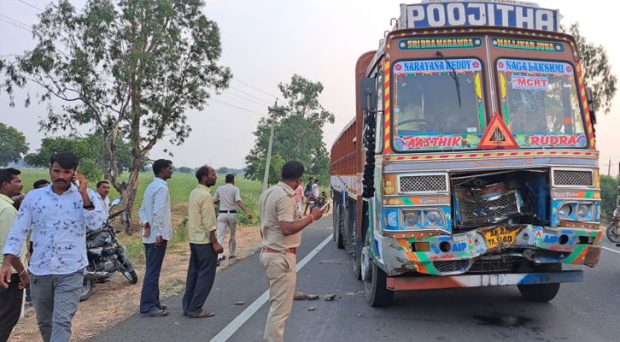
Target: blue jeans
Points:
(149, 299)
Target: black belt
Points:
(228, 211)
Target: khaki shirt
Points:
(278, 204)
(7, 218)
(228, 195)
(201, 215)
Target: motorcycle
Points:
(613, 230)
(106, 256)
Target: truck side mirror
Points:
(368, 94)
(590, 99)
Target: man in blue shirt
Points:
(58, 215)
(156, 216)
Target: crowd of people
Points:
(43, 240)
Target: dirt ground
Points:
(115, 300)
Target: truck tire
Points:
(541, 293)
(357, 258)
(337, 234)
(377, 295)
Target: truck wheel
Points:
(541, 293)
(377, 294)
(337, 235)
(357, 263)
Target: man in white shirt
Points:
(103, 189)
(58, 215)
(156, 216)
(229, 198)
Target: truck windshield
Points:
(428, 114)
(540, 104)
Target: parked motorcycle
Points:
(613, 230)
(105, 257)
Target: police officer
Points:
(281, 229)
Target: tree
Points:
(12, 144)
(597, 70)
(609, 192)
(298, 132)
(89, 150)
(127, 69)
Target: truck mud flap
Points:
(480, 280)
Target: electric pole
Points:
(266, 176)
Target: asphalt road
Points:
(588, 311)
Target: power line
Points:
(15, 22)
(247, 99)
(246, 93)
(31, 5)
(237, 107)
(253, 87)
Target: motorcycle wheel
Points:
(132, 276)
(88, 287)
(611, 234)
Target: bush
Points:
(609, 193)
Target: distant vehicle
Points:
(471, 159)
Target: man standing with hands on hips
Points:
(156, 216)
(58, 215)
(229, 198)
(281, 228)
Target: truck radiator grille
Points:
(451, 266)
(573, 177)
(491, 209)
(423, 183)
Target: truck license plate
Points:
(500, 236)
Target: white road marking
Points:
(244, 316)
(611, 250)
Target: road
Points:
(587, 311)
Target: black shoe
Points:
(155, 313)
(200, 314)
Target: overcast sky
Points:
(265, 42)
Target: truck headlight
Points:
(392, 219)
(584, 212)
(432, 218)
(412, 217)
(565, 211)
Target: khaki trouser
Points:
(227, 220)
(281, 270)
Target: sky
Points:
(266, 42)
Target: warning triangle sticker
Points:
(497, 136)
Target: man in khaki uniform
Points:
(203, 245)
(281, 231)
(229, 198)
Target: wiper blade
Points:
(452, 74)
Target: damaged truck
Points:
(471, 160)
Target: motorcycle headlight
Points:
(565, 211)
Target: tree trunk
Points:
(130, 191)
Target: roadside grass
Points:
(180, 185)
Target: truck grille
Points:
(572, 177)
(451, 266)
(480, 210)
(423, 183)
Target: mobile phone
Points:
(324, 207)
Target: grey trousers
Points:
(229, 220)
(55, 299)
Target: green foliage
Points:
(127, 69)
(609, 193)
(298, 132)
(12, 144)
(597, 70)
(89, 150)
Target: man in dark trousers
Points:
(203, 245)
(11, 296)
(308, 193)
(156, 216)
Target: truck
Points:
(471, 159)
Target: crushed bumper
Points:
(481, 280)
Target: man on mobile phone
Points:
(156, 216)
(58, 215)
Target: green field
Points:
(180, 185)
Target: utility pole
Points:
(609, 167)
(266, 176)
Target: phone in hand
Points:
(324, 207)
